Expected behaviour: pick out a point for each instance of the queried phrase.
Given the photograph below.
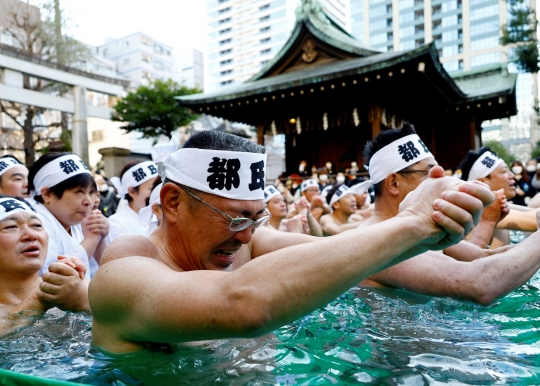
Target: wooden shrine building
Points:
(330, 95)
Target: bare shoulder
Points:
(326, 218)
(128, 245)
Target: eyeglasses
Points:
(414, 171)
(236, 224)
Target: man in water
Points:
(485, 166)
(205, 274)
(343, 206)
(463, 271)
(312, 192)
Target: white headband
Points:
(145, 214)
(361, 188)
(484, 165)
(9, 163)
(163, 151)
(309, 183)
(340, 192)
(230, 174)
(10, 205)
(59, 170)
(325, 191)
(397, 156)
(270, 192)
(135, 176)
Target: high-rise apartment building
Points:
(139, 57)
(467, 36)
(245, 34)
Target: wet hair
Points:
(385, 138)
(84, 180)
(470, 159)
(126, 167)
(331, 192)
(215, 140)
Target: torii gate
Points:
(13, 64)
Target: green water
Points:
(365, 336)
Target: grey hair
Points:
(217, 140)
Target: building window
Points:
(377, 39)
(226, 72)
(225, 62)
(97, 136)
(265, 40)
(159, 65)
(485, 27)
(436, 9)
(226, 41)
(489, 58)
(222, 1)
(450, 50)
(407, 45)
(126, 61)
(263, 7)
(438, 40)
(419, 14)
(265, 29)
(146, 58)
(226, 82)
(481, 13)
(449, 21)
(264, 62)
(419, 42)
(224, 31)
(407, 31)
(264, 18)
(146, 41)
(225, 52)
(265, 51)
(223, 21)
(406, 17)
(418, 29)
(450, 66)
(158, 48)
(126, 44)
(480, 44)
(223, 10)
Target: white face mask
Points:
(328, 165)
(323, 177)
(301, 168)
(340, 179)
(104, 188)
(517, 169)
(294, 186)
(531, 168)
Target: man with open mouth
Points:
(212, 271)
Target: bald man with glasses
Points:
(212, 271)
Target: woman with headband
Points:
(64, 192)
(13, 177)
(135, 186)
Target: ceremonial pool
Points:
(365, 336)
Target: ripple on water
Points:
(364, 337)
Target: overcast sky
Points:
(179, 23)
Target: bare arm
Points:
(330, 227)
(519, 221)
(314, 226)
(482, 280)
(137, 299)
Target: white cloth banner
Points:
(270, 192)
(309, 183)
(10, 206)
(230, 174)
(135, 176)
(341, 192)
(484, 166)
(58, 170)
(397, 156)
(9, 163)
(146, 213)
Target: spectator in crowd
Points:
(524, 189)
(108, 198)
(13, 177)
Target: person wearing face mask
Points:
(523, 184)
(135, 186)
(108, 201)
(323, 178)
(531, 169)
(13, 177)
(340, 178)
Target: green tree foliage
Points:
(536, 151)
(501, 151)
(152, 110)
(520, 32)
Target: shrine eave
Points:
(423, 59)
